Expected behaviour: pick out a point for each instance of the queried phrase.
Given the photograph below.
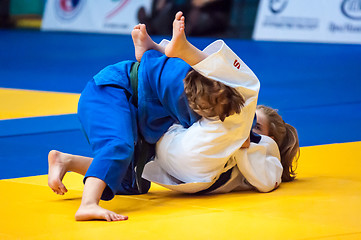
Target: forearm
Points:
(261, 169)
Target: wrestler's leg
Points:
(180, 47)
(89, 208)
(60, 163)
(143, 42)
(108, 119)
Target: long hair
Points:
(286, 138)
(211, 98)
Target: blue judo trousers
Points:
(115, 125)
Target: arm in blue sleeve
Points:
(165, 78)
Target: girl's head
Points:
(210, 98)
(270, 123)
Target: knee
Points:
(116, 150)
(125, 148)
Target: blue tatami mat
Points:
(26, 155)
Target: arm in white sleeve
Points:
(200, 152)
(260, 164)
(224, 66)
(217, 137)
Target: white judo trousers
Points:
(191, 160)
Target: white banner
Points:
(331, 21)
(107, 16)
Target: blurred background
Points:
(333, 21)
(231, 18)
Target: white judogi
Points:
(256, 167)
(191, 160)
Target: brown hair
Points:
(211, 98)
(286, 138)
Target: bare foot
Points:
(93, 211)
(142, 41)
(179, 40)
(57, 169)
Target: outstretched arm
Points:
(180, 47)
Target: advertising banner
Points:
(106, 16)
(330, 21)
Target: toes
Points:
(107, 217)
(142, 27)
(114, 217)
(60, 192)
(55, 185)
(63, 189)
(178, 15)
(57, 191)
(118, 217)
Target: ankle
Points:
(88, 204)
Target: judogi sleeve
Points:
(200, 152)
(260, 164)
(161, 97)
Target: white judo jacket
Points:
(191, 160)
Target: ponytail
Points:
(286, 138)
(290, 152)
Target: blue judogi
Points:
(113, 124)
(162, 100)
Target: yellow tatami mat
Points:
(16, 103)
(323, 203)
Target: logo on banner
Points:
(351, 9)
(120, 6)
(277, 6)
(68, 9)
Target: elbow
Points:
(265, 188)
